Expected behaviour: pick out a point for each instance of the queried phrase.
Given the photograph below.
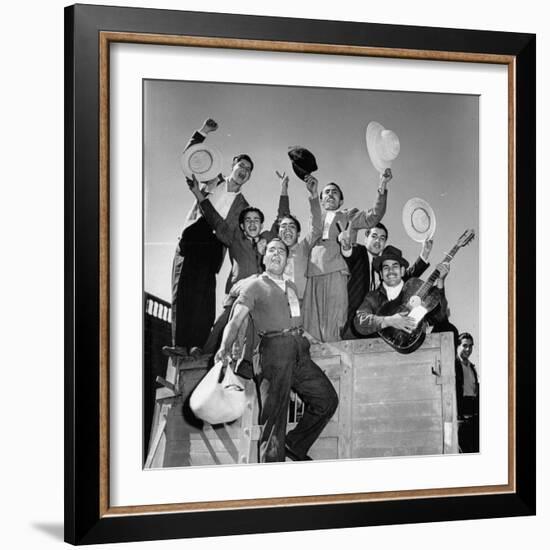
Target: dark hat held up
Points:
(303, 161)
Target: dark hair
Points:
(379, 225)
(293, 218)
(242, 156)
(465, 336)
(248, 209)
(337, 187)
(279, 241)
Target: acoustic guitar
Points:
(417, 299)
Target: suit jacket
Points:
(359, 267)
(325, 255)
(459, 379)
(368, 323)
(245, 258)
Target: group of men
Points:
(322, 287)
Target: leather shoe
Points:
(179, 351)
(293, 456)
(195, 352)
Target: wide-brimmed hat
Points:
(389, 253)
(418, 220)
(218, 400)
(383, 146)
(303, 161)
(203, 161)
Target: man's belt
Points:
(298, 331)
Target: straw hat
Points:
(383, 146)
(202, 160)
(418, 220)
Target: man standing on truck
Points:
(285, 361)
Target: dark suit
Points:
(467, 410)
(359, 266)
(199, 256)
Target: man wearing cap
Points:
(467, 395)
(199, 254)
(285, 361)
(326, 296)
(392, 266)
(363, 277)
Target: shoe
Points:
(179, 351)
(293, 456)
(195, 352)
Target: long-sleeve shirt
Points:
(297, 262)
(325, 255)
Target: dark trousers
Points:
(286, 364)
(215, 337)
(468, 425)
(201, 255)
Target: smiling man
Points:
(199, 254)
(467, 395)
(392, 267)
(285, 361)
(299, 249)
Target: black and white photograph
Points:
(310, 274)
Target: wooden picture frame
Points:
(89, 33)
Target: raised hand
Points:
(193, 184)
(312, 184)
(284, 181)
(427, 246)
(344, 237)
(385, 178)
(209, 125)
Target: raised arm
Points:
(421, 264)
(283, 208)
(369, 218)
(223, 230)
(199, 135)
(315, 227)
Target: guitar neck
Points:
(435, 273)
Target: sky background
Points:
(438, 162)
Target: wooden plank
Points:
(206, 459)
(364, 427)
(344, 413)
(377, 452)
(218, 445)
(177, 457)
(448, 394)
(404, 389)
(325, 449)
(428, 407)
(400, 439)
(248, 450)
(384, 370)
